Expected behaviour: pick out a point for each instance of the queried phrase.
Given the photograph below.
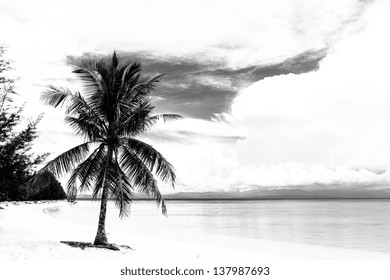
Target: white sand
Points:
(27, 232)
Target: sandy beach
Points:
(27, 232)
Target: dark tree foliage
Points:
(52, 191)
(16, 160)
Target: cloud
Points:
(187, 137)
(341, 108)
(326, 127)
(203, 89)
(239, 34)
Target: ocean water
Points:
(354, 224)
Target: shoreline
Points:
(248, 199)
(27, 232)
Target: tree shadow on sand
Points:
(83, 245)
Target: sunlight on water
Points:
(355, 224)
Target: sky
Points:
(276, 94)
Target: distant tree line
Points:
(17, 162)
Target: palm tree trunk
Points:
(101, 237)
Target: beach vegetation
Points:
(17, 135)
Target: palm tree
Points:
(113, 110)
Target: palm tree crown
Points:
(112, 111)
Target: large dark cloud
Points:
(200, 89)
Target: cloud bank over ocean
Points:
(327, 126)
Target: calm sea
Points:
(355, 224)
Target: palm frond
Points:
(55, 96)
(86, 173)
(138, 89)
(122, 192)
(155, 161)
(100, 183)
(114, 61)
(140, 176)
(83, 125)
(166, 117)
(96, 87)
(136, 120)
(90, 79)
(61, 165)
(39, 181)
(71, 191)
(78, 105)
(128, 75)
(129, 72)
(148, 85)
